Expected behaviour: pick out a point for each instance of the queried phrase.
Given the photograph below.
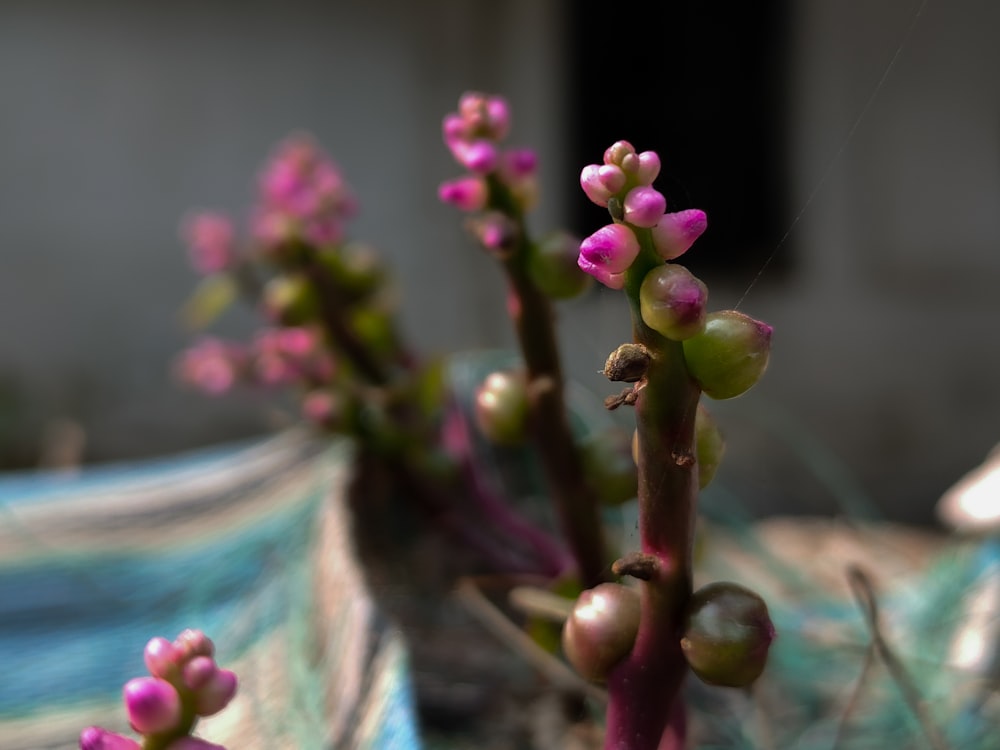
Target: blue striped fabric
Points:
(250, 543)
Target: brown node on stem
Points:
(540, 386)
(627, 364)
(639, 565)
(684, 459)
(627, 397)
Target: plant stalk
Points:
(645, 710)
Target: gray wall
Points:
(118, 117)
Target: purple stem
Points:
(644, 690)
(553, 560)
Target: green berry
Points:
(609, 467)
(291, 300)
(601, 629)
(501, 408)
(552, 264)
(672, 302)
(709, 446)
(730, 355)
(727, 635)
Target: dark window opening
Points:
(702, 83)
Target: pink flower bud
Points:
(466, 193)
(520, 162)
(319, 407)
(454, 129)
(618, 151)
(674, 233)
(612, 177)
(649, 168)
(478, 156)
(600, 182)
(211, 365)
(494, 231)
(152, 704)
(607, 254)
(161, 657)
(199, 671)
(215, 694)
(591, 183)
(192, 643)
(210, 239)
(498, 117)
(630, 164)
(95, 738)
(644, 206)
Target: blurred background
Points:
(870, 246)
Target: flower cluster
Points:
(473, 135)
(212, 365)
(184, 683)
(623, 184)
(211, 241)
(303, 197)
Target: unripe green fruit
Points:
(373, 326)
(727, 635)
(672, 302)
(609, 468)
(291, 300)
(730, 355)
(709, 446)
(601, 629)
(501, 408)
(355, 267)
(552, 264)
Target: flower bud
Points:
(191, 642)
(601, 182)
(730, 355)
(672, 302)
(601, 629)
(216, 693)
(607, 254)
(199, 671)
(674, 233)
(644, 206)
(727, 635)
(211, 242)
(649, 167)
(152, 705)
(618, 151)
(501, 408)
(553, 267)
(95, 738)
(161, 657)
(465, 193)
(709, 446)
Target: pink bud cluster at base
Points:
(184, 680)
